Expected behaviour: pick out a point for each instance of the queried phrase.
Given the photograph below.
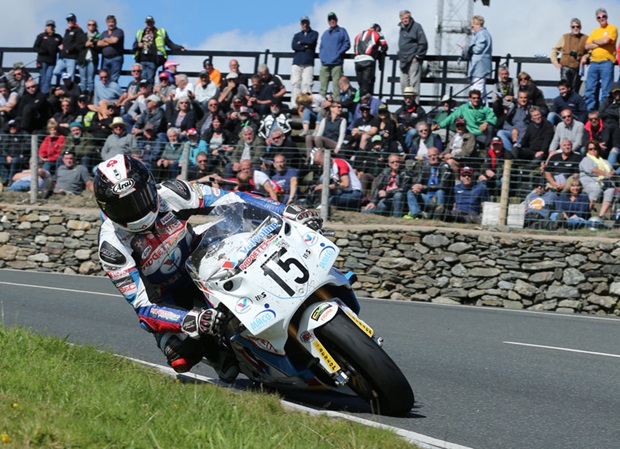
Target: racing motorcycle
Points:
(291, 317)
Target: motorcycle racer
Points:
(144, 241)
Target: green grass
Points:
(54, 395)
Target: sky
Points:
(521, 28)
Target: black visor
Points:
(132, 207)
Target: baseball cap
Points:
(143, 82)
(153, 97)
(82, 97)
(460, 121)
(65, 76)
(467, 171)
(203, 74)
(170, 64)
(12, 122)
(149, 19)
(163, 75)
(18, 65)
(383, 108)
(71, 16)
(376, 138)
(192, 132)
(232, 76)
(364, 106)
(496, 140)
(332, 15)
(304, 19)
(50, 22)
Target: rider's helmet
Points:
(126, 193)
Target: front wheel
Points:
(373, 374)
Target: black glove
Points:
(202, 322)
(306, 217)
(181, 354)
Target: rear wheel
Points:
(373, 374)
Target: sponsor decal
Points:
(243, 305)
(109, 254)
(255, 240)
(310, 238)
(326, 257)
(263, 344)
(319, 311)
(179, 187)
(306, 254)
(363, 326)
(168, 315)
(124, 186)
(327, 314)
(252, 257)
(260, 296)
(262, 319)
(331, 363)
(306, 336)
(128, 289)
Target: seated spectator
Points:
(493, 166)
(183, 117)
(596, 176)
(309, 107)
(8, 103)
(390, 190)
(568, 129)
(535, 142)
(138, 106)
(273, 82)
(504, 92)
(109, 91)
(184, 87)
(168, 163)
(153, 115)
(68, 89)
(235, 88)
(33, 109)
(203, 171)
(214, 74)
(126, 98)
(21, 180)
(204, 90)
(219, 143)
(424, 140)
(348, 98)
(539, 204)
(572, 207)
(204, 123)
(65, 117)
(388, 130)
(562, 166)
(468, 198)
(119, 142)
(362, 130)
(275, 119)
(148, 147)
(14, 151)
(480, 120)
(534, 94)
(595, 129)
(568, 99)
(345, 188)
(249, 148)
(369, 100)
(286, 178)
(431, 182)
(447, 107)
(81, 144)
(516, 121)
(280, 143)
(461, 145)
(331, 131)
(259, 181)
(72, 179)
(408, 116)
(50, 148)
(165, 88)
(610, 107)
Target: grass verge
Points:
(54, 395)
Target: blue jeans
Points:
(554, 118)
(87, 76)
(599, 72)
(308, 116)
(409, 137)
(46, 73)
(394, 204)
(346, 199)
(114, 66)
(413, 200)
(65, 65)
(506, 137)
(148, 71)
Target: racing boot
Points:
(221, 359)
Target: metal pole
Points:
(185, 159)
(34, 169)
(327, 165)
(504, 197)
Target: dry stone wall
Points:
(553, 273)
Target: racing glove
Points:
(199, 322)
(181, 354)
(306, 217)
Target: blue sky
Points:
(523, 28)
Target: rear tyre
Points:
(373, 374)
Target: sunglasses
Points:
(567, 116)
(575, 26)
(204, 161)
(601, 17)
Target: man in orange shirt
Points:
(602, 47)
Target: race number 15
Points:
(285, 265)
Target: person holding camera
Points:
(567, 53)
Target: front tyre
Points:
(373, 374)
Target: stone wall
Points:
(567, 273)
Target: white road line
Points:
(423, 441)
(562, 349)
(47, 287)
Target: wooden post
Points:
(503, 200)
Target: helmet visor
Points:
(132, 207)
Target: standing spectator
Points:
(89, 59)
(73, 43)
(72, 179)
(568, 99)
(431, 183)
(150, 47)
(569, 128)
(370, 46)
(480, 57)
(111, 45)
(304, 47)
(570, 48)
(33, 109)
(534, 144)
(412, 48)
(602, 47)
(334, 44)
(47, 46)
(562, 166)
(388, 195)
(468, 199)
(286, 178)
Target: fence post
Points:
(185, 161)
(327, 166)
(504, 198)
(34, 169)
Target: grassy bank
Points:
(53, 395)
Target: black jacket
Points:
(421, 174)
(73, 43)
(46, 47)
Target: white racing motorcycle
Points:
(291, 317)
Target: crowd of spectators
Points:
(235, 129)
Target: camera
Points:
(573, 53)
